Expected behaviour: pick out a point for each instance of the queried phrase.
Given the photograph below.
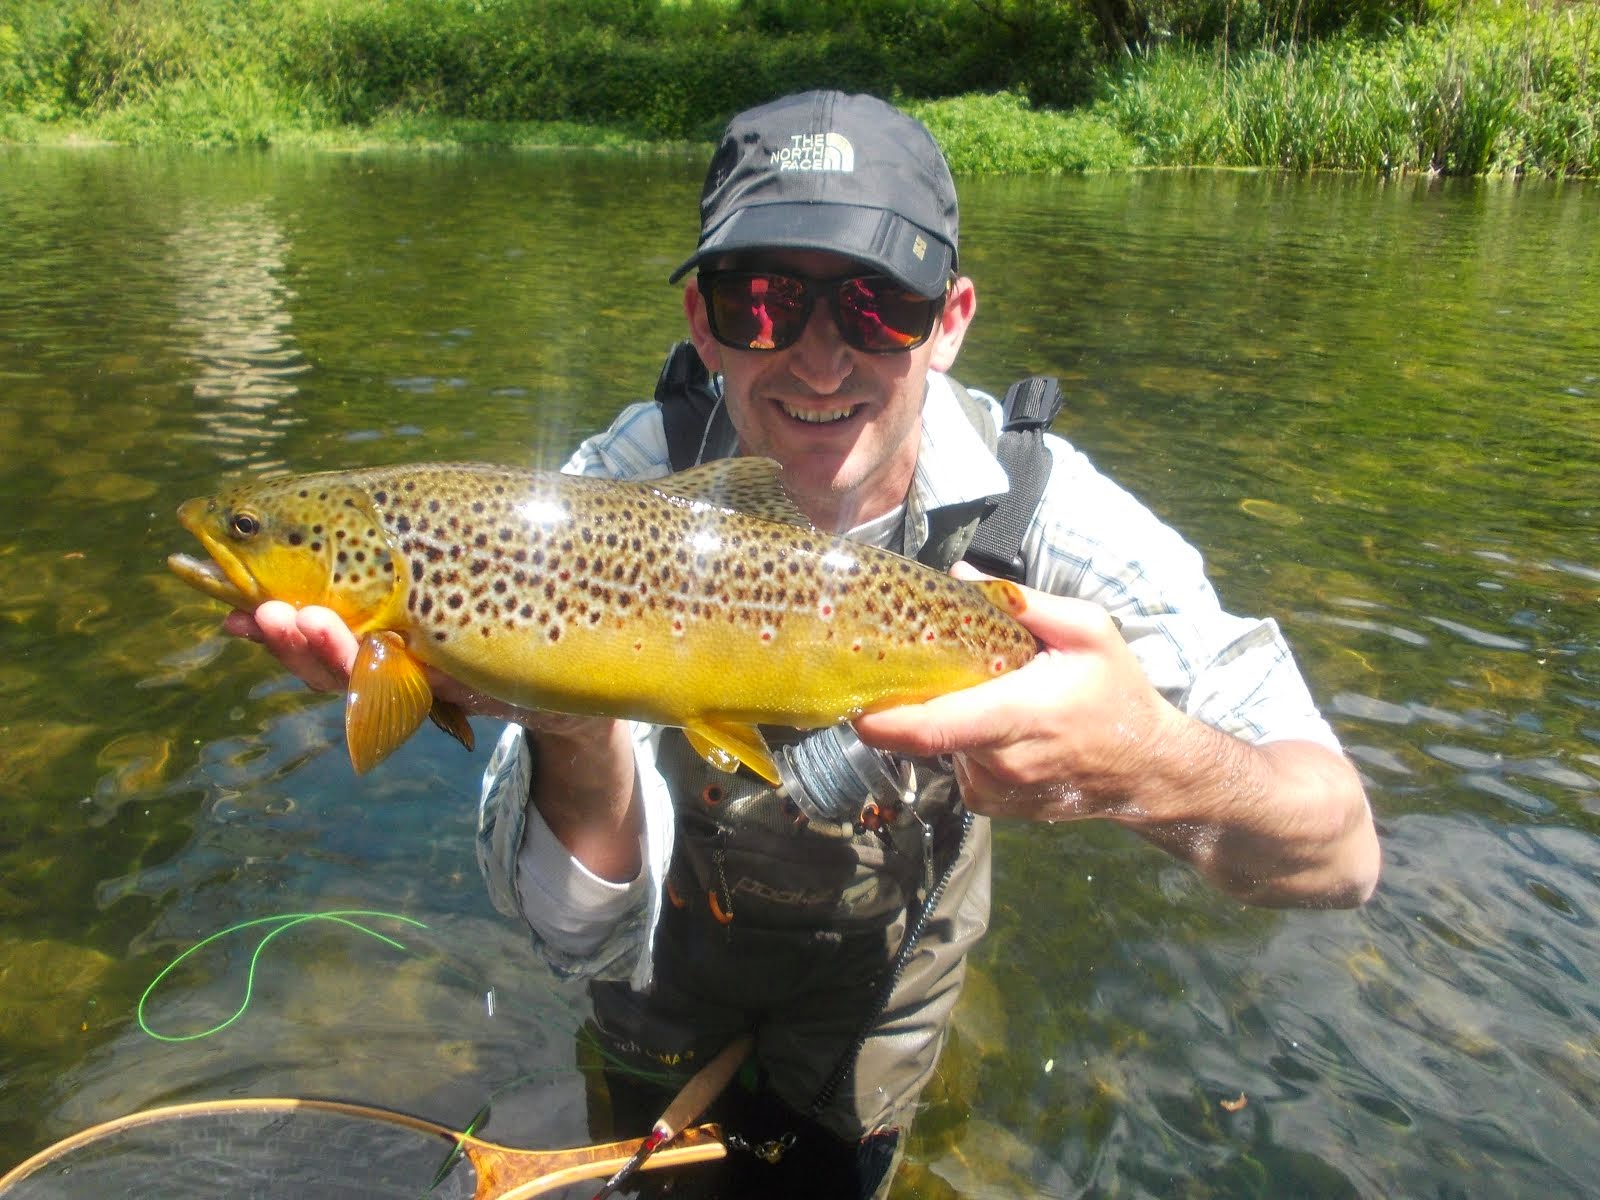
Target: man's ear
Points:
(960, 306)
(694, 308)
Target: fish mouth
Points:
(820, 416)
(206, 576)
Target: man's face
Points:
(846, 425)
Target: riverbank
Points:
(1506, 89)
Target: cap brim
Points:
(882, 239)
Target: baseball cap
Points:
(823, 170)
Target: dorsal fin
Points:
(747, 485)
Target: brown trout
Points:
(703, 600)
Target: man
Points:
(827, 299)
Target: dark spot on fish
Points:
(554, 633)
(477, 507)
(433, 506)
(403, 524)
(479, 566)
(455, 600)
(416, 570)
(500, 587)
(525, 611)
(427, 605)
(296, 538)
(381, 497)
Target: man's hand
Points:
(1080, 732)
(1058, 738)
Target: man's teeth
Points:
(822, 416)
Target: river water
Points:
(1372, 404)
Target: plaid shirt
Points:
(1089, 539)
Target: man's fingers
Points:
(311, 643)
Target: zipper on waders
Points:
(930, 901)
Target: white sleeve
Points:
(583, 925)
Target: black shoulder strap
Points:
(688, 401)
(1029, 407)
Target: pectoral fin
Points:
(388, 698)
(726, 745)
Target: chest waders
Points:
(750, 857)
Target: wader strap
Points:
(691, 406)
(1030, 405)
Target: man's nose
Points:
(821, 359)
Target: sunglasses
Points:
(767, 310)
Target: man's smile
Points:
(820, 416)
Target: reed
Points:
(1512, 93)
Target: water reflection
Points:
(1371, 404)
(234, 319)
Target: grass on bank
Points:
(1506, 87)
(1516, 94)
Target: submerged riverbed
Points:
(1372, 404)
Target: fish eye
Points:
(244, 525)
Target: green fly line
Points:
(282, 923)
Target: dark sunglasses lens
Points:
(878, 316)
(756, 312)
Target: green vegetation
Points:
(1458, 86)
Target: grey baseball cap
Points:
(851, 175)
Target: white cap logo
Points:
(816, 152)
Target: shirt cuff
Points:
(576, 909)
